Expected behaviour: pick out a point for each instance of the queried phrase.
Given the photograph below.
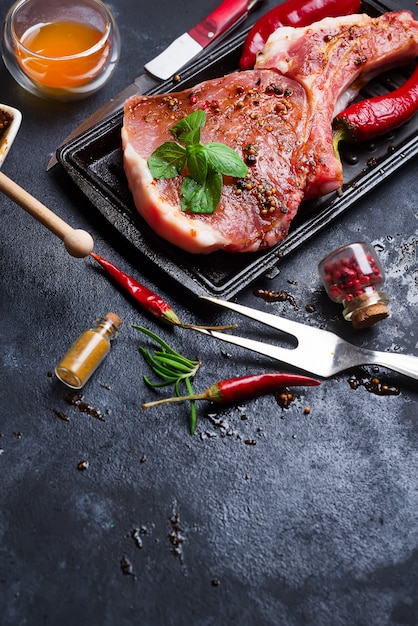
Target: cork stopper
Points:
(369, 315)
(115, 319)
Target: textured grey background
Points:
(314, 524)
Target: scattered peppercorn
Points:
(171, 102)
(374, 385)
(250, 155)
(284, 399)
(277, 90)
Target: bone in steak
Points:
(278, 119)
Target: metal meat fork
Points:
(318, 351)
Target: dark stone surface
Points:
(267, 515)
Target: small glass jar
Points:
(352, 276)
(60, 49)
(86, 354)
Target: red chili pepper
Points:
(141, 294)
(243, 388)
(376, 116)
(291, 13)
(147, 298)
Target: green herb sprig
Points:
(201, 189)
(172, 368)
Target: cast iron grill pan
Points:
(94, 163)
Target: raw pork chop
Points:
(256, 111)
(333, 59)
(278, 119)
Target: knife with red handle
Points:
(216, 26)
(186, 47)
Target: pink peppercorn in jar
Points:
(352, 275)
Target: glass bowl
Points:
(10, 119)
(60, 50)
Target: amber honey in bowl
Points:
(66, 42)
(65, 50)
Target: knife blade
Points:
(216, 26)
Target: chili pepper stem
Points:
(169, 317)
(198, 396)
(336, 138)
(342, 131)
(196, 326)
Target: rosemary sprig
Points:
(171, 367)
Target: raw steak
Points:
(333, 59)
(256, 108)
(278, 119)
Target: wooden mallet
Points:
(78, 243)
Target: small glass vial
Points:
(352, 275)
(88, 351)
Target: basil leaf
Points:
(189, 128)
(225, 160)
(197, 162)
(201, 198)
(201, 190)
(168, 160)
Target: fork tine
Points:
(284, 355)
(311, 341)
(296, 329)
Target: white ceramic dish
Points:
(8, 135)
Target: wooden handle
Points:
(78, 243)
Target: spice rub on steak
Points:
(277, 117)
(262, 116)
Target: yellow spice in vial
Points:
(86, 354)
